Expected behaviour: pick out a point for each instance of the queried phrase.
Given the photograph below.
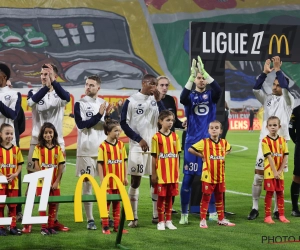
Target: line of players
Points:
(140, 112)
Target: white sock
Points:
(256, 189)
(88, 206)
(133, 194)
(154, 202)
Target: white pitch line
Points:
(244, 148)
(227, 191)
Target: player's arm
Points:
(125, 173)
(37, 166)
(154, 178)
(177, 122)
(100, 171)
(125, 118)
(88, 123)
(216, 91)
(59, 175)
(272, 165)
(12, 110)
(11, 177)
(283, 164)
(289, 99)
(32, 99)
(293, 125)
(194, 151)
(257, 91)
(59, 90)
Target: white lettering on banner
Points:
(32, 179)
(4, 220)
(222, 43)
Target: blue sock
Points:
(185, 192)
(212, 204)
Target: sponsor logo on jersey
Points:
(55, 95)
(276, 154)
(168, 155)
(216, 157)
(48, 165)
(82, 171)
(41, 102)
(8, 165)
(89, 114)
(153, 103)
(205, 96)
(114, 161)
(7, 97)
(133, 169)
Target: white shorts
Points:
(86, 165)
(30, 163)
(139, 164)
(260, 160)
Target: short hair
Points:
(273, 117)
(148, 77)
(44, 66)
(216, 121)
(163, 77)
(109, 125)
(162, 115)
(5, 69)
(95, 78)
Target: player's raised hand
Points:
(276, 63)
(193, 71)
(102, 108)
(201, 69)
(50, 72)
(267, 67)
(109, 108)
(144, 145)
(157, 95)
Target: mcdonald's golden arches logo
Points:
(100, 193)
(278, 44)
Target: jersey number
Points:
(201, 109)
(193, 167)
(140, 168)
(88, 170)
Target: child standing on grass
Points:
(48, 154)
(11, 161)
(275, 151)
(111, 160)
(212, 151)
(165, 168)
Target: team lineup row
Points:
(139, 118)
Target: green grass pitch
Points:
(245, 235)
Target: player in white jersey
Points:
(48, 105)
(89, 114)
(280, 103)
(10, 100)
(139, 121)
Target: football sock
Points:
(256, 189)
(56, 217)
(219, 205)
(295, 195)
(168, 208)
(154, 202)
(280, 202)
(116, 213)
(212, 204)
(133, 194)
(88, 206)
(185, 192)
(268, 203)
(12, 212)
(204, 205)
(51, 216)
(161, 208)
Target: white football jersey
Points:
(50, 109)
(9, 98)
(280, 106)
(89, 139)
(142, 116)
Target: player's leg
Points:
(171, 191)
(30, 169)
(105, 221)
(213, 215)
(137, 167)
(87, 165)
(3, 191)
(185, 193)
(161, 202)
(295, 186)
(207, 190)
(12, 212)
(44, 227)
(257, 183)
(270, 188)
(116, 215)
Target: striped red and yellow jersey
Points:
(48, 158)
(112, 157)
(10, 159)
(277, 148)
(166, 149)
(213, 169)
